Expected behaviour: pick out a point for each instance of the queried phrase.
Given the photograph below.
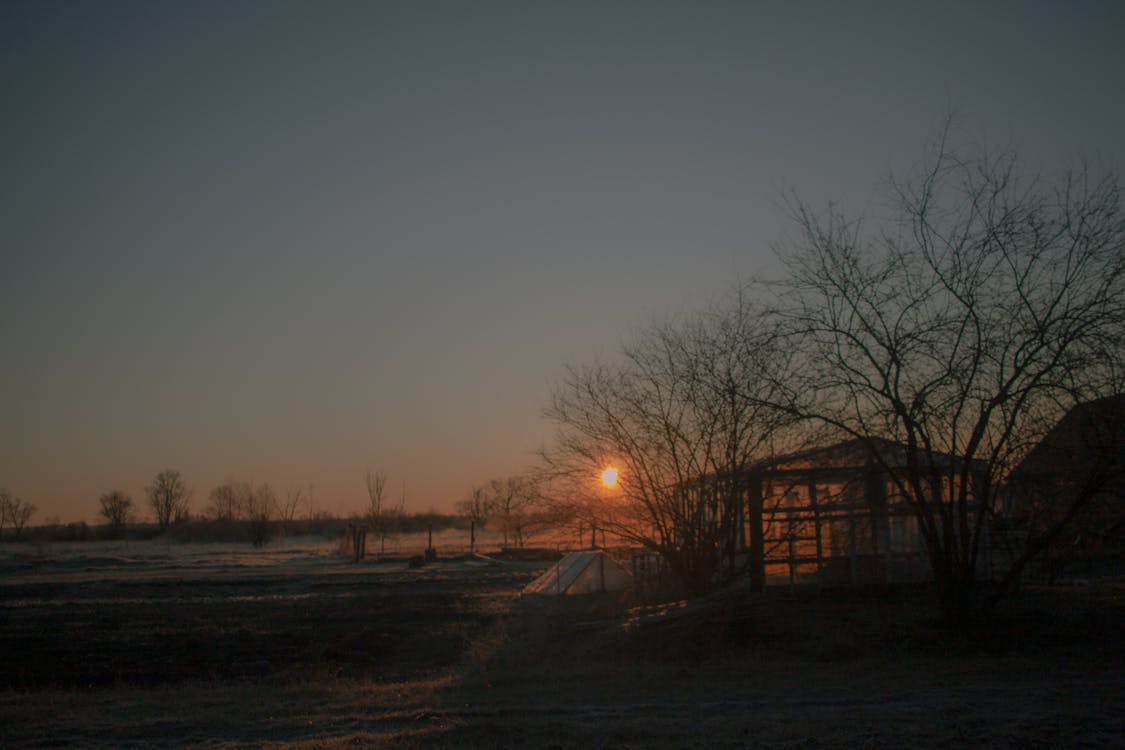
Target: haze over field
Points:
(288, 242)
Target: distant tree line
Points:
(236, 511)
(516, 507)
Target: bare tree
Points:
(238, 501)
(228, 501)
(682, 414)
(19, 513)
(381, 517)
(287, 509)
(512, 502)
(116, 508)
(6, 501)
(477, 509)
(257, 510)
(310, 505)
(962, 328)
(15, 512)
(168, 496)
(376, 482)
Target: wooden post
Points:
(357, 535)
(757, 561)
(637, 586)
(816, 524)
(854, 563)
(792, 554)
(888, 561)
(875, 495)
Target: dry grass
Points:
(974, 702)
(465, 670)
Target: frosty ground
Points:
(171, 645)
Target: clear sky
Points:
(289, 242)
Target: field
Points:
(166, 645)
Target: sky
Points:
(290, 242)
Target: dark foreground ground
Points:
(379, 655)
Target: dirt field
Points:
(305, 650)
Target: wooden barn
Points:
(1074, 478)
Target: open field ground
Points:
(212, 646)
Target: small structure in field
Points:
(583, 572)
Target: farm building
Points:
(829, 515)
(1080, 462)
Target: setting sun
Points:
(609, 477)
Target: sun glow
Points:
(609, 477)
